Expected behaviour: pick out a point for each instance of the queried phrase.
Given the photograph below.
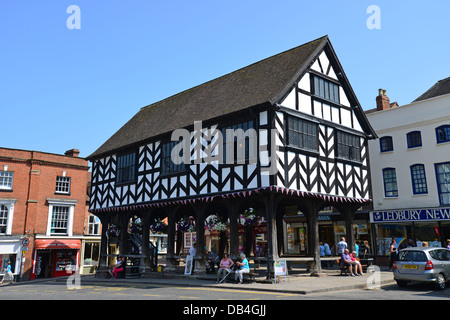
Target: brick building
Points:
(43, 216)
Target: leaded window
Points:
(349, 146)
(302, 134)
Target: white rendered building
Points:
(410, 169)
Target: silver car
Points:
(423, 264)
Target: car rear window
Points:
(440, 254)
(417, 256)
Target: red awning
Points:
(57, 244)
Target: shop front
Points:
(331, 228)
(10, 251)
(410, 227)
(55, 258)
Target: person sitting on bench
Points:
(346, 261)
(224, 267)
(356, 264)
(243, 268)
(118, 268)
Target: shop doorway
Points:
(326, 234)
(44, 264)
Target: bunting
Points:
(239, 194)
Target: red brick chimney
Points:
(72, 153)
(383, 102)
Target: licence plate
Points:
(409, 266)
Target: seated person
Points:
(119, 267)
(357, 265)
(243, 268)
(346, 261)
(224, 267)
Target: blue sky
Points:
(62, 89)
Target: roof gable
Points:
(262, 82)
(440, 88)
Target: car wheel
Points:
(440, 281)
(401, 283)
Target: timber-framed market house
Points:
(311, 152)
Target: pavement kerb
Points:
(292, 286)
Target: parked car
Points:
(422, 264)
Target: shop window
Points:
(386, 232)
(418, 179)
(91, 253)
(427, 232)
(390, 182)
(443, 181)
(4, 259)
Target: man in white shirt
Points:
(341, 246)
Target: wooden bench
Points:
(344, 269)
(252, 274)
(250, 277)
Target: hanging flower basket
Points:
(213, 223)
(135, 228)
(186, 224)
(158, 226)
(113, 231)
(249, 217)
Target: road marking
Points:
(240, 291)
(151, 295)
(183, 297)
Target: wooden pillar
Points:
(105, 220)
(272, 241)
(233, 210)
(199, 259)
(170, 257)
(123, 221)
(311, 208)
(146, 220)
(348, 212)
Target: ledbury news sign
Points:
(409, 215)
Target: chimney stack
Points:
(72, 153)
(383, 102)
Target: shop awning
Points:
(57, 244)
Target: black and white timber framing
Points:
(323, 164)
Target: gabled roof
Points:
(440, 88)
(262, 82)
